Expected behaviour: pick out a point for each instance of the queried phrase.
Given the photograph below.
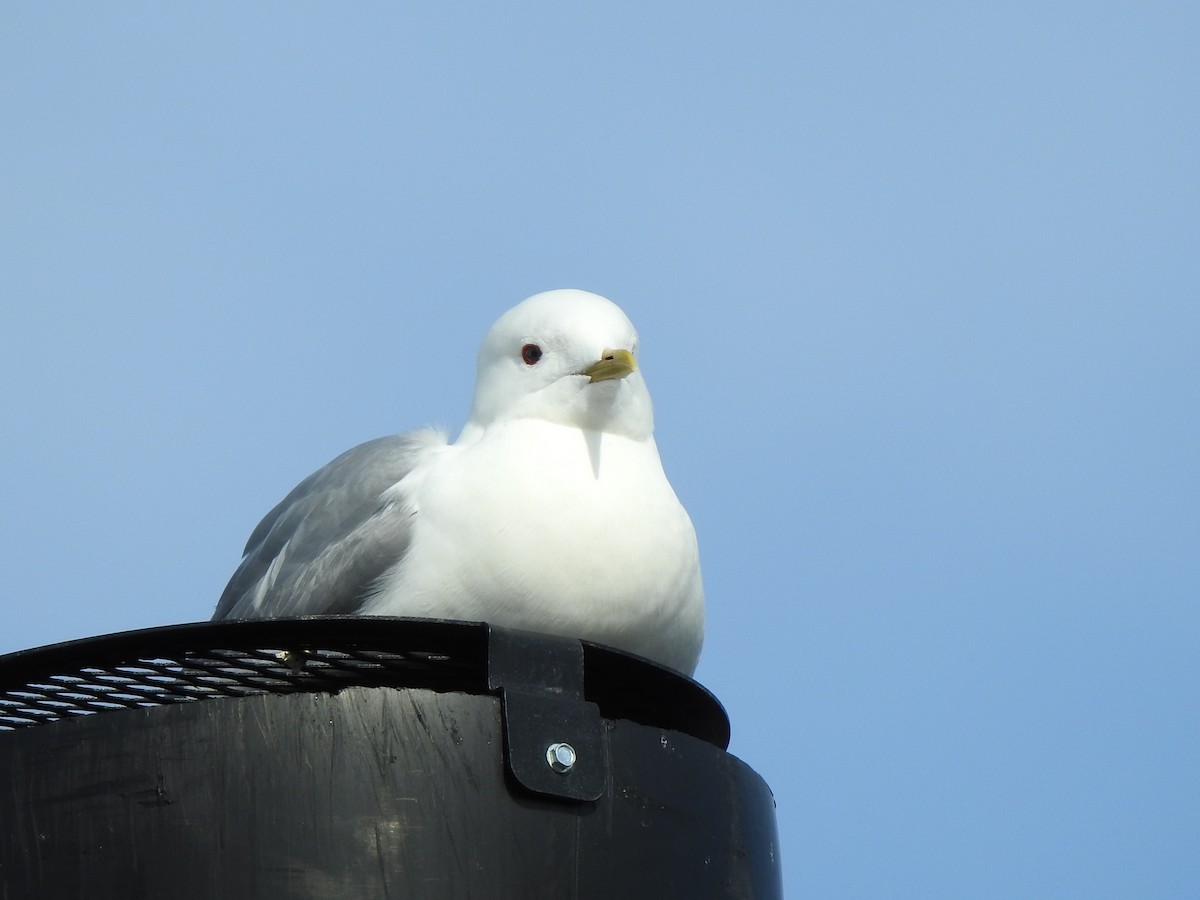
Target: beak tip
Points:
(612, 364)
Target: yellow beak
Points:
(612, 364)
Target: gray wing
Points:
(322, 548)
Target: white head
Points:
(567, 357)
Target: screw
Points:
(561, 757)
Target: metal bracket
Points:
(553, 738)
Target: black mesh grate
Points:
(186, 663)
(201, 675)
(116, 672)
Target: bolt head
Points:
(561, 757)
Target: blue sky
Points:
(917, 292)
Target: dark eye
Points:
(531, 353)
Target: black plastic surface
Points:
(365, 791)
(540, 682)
(201, 661)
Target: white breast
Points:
(554, 529)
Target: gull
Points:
(550, 512)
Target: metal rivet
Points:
(561, 757)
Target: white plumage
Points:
(550, 512)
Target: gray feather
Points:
(321, 550)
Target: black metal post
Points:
(368, 758)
